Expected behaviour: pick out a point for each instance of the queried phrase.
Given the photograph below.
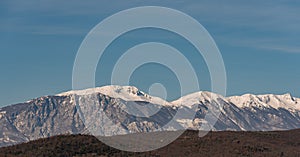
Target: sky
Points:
(258, 40)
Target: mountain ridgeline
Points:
(110, 108)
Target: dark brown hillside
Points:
(280, 143)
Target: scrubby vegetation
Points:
(227, 143)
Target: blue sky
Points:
(259, 42)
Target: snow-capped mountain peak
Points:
(196, 98)
(285, 101)
(127, 93)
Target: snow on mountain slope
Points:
(204, 102)
(247, 112)
(196, 98)
(127, 93)
(285, 101)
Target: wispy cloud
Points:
(16, 25)
(282, 48)
(264, 25)
(283, 45)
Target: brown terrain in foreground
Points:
(225, 143)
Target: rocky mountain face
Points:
(115, 110)
(41, 117)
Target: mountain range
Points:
(117, 110)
